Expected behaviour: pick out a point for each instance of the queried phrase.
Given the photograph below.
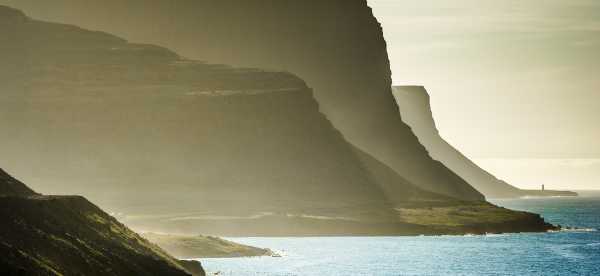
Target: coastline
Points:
(459, 218)
(489, 254)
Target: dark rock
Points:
(68, 235)
(13, 187)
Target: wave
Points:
(469, 235)
(574, 229)
(545, 197)
(491, 235)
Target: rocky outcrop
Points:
(68, 235)
(416, 112)
(336, 46)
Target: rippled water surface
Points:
(562, 253)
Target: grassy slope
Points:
(68, 235)
(188, 247)
(470, 218)
(430, 213)
(11, 186)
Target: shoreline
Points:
(566, 230)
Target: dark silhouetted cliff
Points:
(68, 235)
(11, 186)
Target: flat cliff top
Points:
(53, 56)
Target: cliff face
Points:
(416, 112)
(150, 134)
(336, 46)
(68, 235)
(176, 145)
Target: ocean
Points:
(571, 252)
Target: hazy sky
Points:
(509, 80)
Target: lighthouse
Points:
(543, 188)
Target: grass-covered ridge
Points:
(471, 218)
(190, 247)
(68, 235)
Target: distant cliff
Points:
(68, 235)
(416, 112)
(336, 46)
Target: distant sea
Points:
(572, 252)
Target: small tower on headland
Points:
(543, 188)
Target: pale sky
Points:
(510, 81)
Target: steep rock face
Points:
(416, 112)
(336, 46)
(68, 235)
(397, 189)
(175, 145)
(150, 134)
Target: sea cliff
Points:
(415, 109)
(170, 144)
(336, 46)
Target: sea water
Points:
(572, 252)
